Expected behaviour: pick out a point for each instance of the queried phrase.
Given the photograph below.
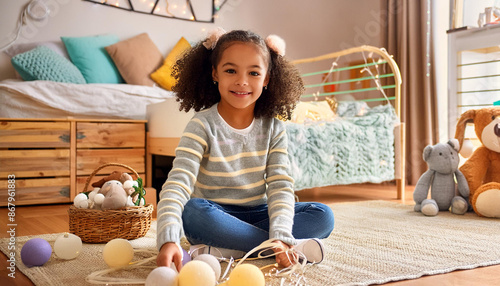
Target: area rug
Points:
(373, 242)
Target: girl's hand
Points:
(284, 259)
(169, 252)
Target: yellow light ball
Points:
(67, 246)
(246, 275)
(197, 273)
(118, 252)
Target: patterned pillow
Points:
(90, 57)
(42, 63)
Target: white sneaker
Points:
(198, 249)
(312, 249)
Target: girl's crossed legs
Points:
(244, 228)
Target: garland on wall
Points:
(190, 10)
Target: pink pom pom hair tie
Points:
(213, 37)
(277, 44)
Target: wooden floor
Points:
(33, 220)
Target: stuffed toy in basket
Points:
(109, 211)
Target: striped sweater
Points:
(216, 163)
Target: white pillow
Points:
(56, 46)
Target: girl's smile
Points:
(241, 93)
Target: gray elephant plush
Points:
(442, 160)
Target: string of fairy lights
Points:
(175, 9)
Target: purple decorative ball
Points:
(185, 257)
(36, 252)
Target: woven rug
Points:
(373, 242)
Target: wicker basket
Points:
(97, 226)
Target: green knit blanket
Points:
(350, 149)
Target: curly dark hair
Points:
(195, 88)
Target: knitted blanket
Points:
(350, 149)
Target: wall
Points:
(440, 19)
(310, 28)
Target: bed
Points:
(363, 140)
(49, 99)
(347, 150)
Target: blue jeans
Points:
(243, 228)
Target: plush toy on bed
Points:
(442, 160)
(482, 169)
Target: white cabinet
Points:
(473, 71)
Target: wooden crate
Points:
(87, 160)
(36, 154)
(33, 134)
(37, 191)
(51, 157)
(99, 143)
(35, 163)
(110, 135)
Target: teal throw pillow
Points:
(90, 57)
(42, 63)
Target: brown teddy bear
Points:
(482, 169)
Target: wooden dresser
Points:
(51, 159)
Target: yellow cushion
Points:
(163, 75)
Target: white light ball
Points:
(98, 199)
(196, 273)
(212, 261)
(93, 193)
(80, 197)
(162, 276)
(67, 246)
(82, 204)
(118, 252)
